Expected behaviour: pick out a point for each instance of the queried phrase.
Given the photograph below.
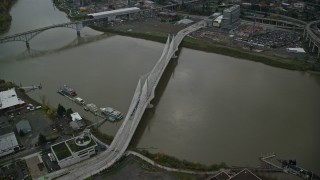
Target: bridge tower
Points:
(79, 27)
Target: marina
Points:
(107, 113)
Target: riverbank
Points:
(159, 32)
(5, 17)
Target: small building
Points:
(296, 50)
(74, 150)
(217, 22)
(9, 101)
(23, 126)
(8, 141)
(77, 122)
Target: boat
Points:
(79, 101)
(92, 107)
(111, 113)
(66, 90)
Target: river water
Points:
(209, 108)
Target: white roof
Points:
(218, 19)
(114, 12)
(296, 50)
(8, 98)
(7, 143)
(185, 21)
(75, 116)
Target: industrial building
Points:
(231, 17)
(74, 150)
(111, 15)
(8, 140)
(9, 101)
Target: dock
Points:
(289, 167)
(103, 117)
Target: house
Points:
(77, 121)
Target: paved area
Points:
(35, 166)
(133, 169)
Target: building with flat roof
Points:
(112, 14)
(8, 141)
(231, 17)
(9, 101)
(74, 150)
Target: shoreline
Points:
(207, 46)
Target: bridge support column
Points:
(150, 106)
(27, 44)
(78, 33)
(309, 42)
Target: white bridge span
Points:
(141, 99)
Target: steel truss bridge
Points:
(79, 25)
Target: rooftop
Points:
(245, 175)
(8, 98)
(75, 148)
(230, 9)
(61, 150)
(75, 116)
(7, 141)
(113, 12)
(24, 126)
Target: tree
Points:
(68, 112)
(61, 110)
(42, 139)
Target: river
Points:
(209, 108)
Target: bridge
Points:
(314, 40)
(79, 25)
(142, 97)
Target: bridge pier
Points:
(78, 33)
(27, 44)
(149, 106)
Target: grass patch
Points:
(61, 150)
(173, 162)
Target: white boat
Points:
(92, 107)
(80, 101)
(112, 113)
